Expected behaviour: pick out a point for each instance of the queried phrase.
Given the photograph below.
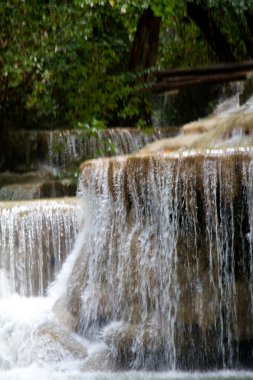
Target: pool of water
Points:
(48, 373)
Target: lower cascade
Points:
(165, 272)
(160, 276)
(35, 238)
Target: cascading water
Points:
(122, 275)
(35, 238)
(68, 146)
(168, 257)
(160, 277)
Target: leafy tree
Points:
(226, 26)
(68, 63)
(62, 61)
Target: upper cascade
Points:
(224, 132)
(45, 164)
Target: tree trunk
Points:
(249, 18)
(201, 15)
(146, 40)
(245, 29)
(143, 56)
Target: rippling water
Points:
(37, 373)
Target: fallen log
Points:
(167, 80)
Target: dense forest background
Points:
(90, 63)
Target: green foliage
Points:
(95, 129)
(92, 129)
(234, 19)
(66, 63)
(238, 5)
(181, 42)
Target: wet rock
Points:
(35, 190)
(59, 343)
(173, 272)
(167, 252)
(98, 361)
(62, 150)
(235, 130)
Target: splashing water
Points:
(167, 260)
(160, 276)
(32, 335)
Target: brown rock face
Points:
(165, 271)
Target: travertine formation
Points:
(162, 271)
(165, 272)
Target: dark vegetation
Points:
(83, 62)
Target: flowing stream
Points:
(148, 274)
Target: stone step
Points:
(60, 150)
(36, 188)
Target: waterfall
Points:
(165, 273)
(35, 238)
(154, 272)
(64, 147)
